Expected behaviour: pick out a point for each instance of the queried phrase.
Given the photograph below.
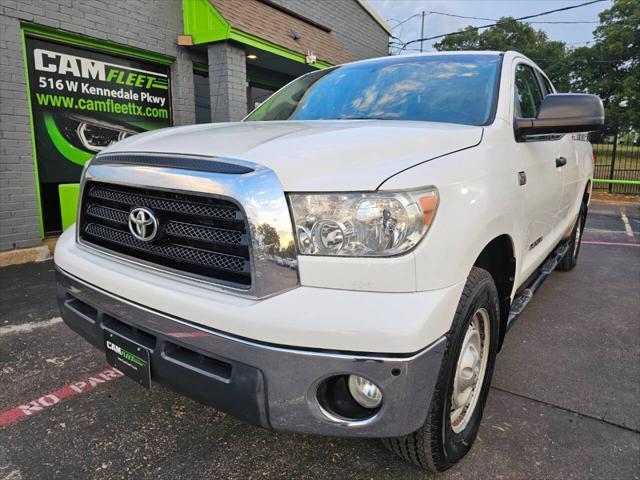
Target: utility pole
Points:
(422, 33)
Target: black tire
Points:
(435, 446)
(570, 258)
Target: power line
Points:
(403, 21)
(461, 16)
(459, 32)
(398, 42)
(566, 22)
(498, 20)
(432, 12)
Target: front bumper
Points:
(264, 384)
(305, 317)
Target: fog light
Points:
(364, 392)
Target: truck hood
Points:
(324, 155)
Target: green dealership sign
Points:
(82, 101)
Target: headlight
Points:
(97, 138)
(91, 134)
(376, 224)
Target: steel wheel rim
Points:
(470, 370)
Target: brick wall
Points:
(19, 221)
(227, 82)
(183, 89)
(148, 25)
(356, 31)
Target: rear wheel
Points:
(463, 381)
(570, 258)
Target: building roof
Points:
(373, 13)
(262, 20)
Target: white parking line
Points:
(602, 230)
(28, 327)
(627, 225)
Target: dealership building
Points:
(76, 76)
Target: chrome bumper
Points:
(267, 385)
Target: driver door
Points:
(541, 190)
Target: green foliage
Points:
(510, 34)
(610, 68)
(270, 237)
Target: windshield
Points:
(439, 88)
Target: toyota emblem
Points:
(143, 224)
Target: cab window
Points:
(547, 88)
(528, 94)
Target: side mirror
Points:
(563, 113)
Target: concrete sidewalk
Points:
(565, 401)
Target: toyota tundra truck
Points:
(348, 258)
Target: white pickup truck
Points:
(347, 259)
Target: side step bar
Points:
(521, 300)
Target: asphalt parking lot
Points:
(565, 401)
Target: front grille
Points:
(166, 205)
(197, 235)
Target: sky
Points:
(575, 35)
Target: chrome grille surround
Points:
(257, 194)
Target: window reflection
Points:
(442, 88)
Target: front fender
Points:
(478, 202)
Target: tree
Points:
(510, 34)
(270, 237)
(610, 68)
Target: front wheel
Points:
(463, 381)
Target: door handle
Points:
(561, 161)
(522, 178)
